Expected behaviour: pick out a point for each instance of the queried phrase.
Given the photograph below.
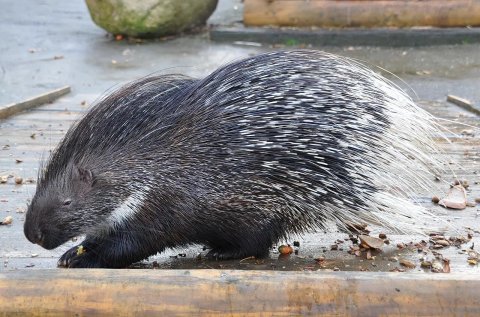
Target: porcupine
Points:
(260, 149)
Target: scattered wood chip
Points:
(437, 266)
(473, 254)
(435, 199)
(446, 266)
(370, 242)
(18, 180)
(34, 255)
(397, 269)
(456, 198)
(369, 255)
(382, 236)
(407, 263)
(58, 57)
(357, 228)
(473, 257)
(18, 161)
(7, 220)
(320, 259)
(20, 210)
(3, 179)
(426, 264)
(441, 242)
(468, 132)
(440, 266)
(472, 261)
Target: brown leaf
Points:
(370, 242)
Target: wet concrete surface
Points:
(48, 44)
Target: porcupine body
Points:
(268, 146)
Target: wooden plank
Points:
(368, 13)
(464, 103)
(236, 293)
(33, 102)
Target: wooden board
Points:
(367, 13)
(33, 102)
(235, 293)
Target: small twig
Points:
(249, 258)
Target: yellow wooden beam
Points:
(235, 293)
(365, 13)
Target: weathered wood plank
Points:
(465, 104)
(36, 101)
(367, 13)
(236, 293)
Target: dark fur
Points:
(200, 146)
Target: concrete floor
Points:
(34, 33)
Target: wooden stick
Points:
(33, 102)
(463, 103)
(236, 293)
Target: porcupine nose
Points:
(39, 238)
(35, 237)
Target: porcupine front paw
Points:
(80, 256)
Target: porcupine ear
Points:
(83, 175)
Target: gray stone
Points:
(150, 18)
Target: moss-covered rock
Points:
(150, 18)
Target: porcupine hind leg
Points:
(243, 241)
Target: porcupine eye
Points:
(67, 202)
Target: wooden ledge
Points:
(364, 13)
(236, 293)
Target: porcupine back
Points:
(306, 137)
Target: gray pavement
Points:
(49, 44)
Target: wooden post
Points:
(235, 293)
(365, 13)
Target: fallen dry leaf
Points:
(370, 242)
(456, 198)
